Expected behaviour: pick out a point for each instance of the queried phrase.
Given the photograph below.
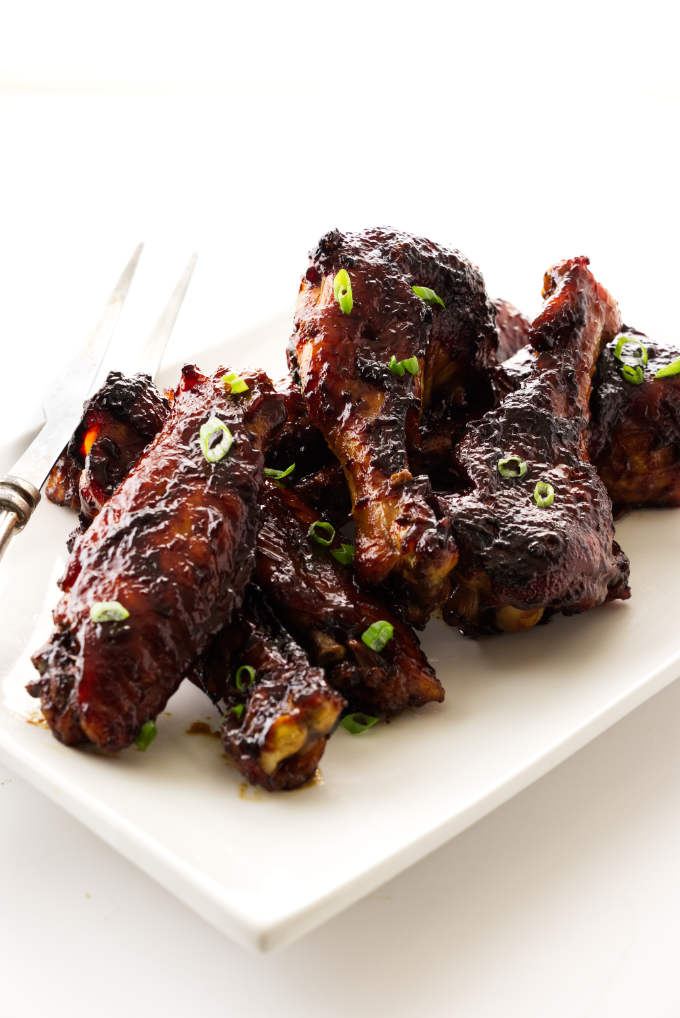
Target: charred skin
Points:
(286, 715)
(175, 546)
(364, 411)
(326, 609)
(635, 430)
(520, 562)
(118, 422)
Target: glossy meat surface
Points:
(174, 546)
(276, 729)
(635, 429)
(365, 411)
(513, 329)
(118, 422)
(321, 602)
(519, 561)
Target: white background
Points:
(520, 133)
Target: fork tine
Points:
(151, 355)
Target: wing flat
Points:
(152, 352)
(64, 401)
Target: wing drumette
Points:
(327, 610)
(342, 354)
(535, 531)
(278, 708)
(161, 568)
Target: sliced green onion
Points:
(358, 722)
(235, 383)
(245, 676)
(322, 532)
(633, 374)
(146, 734)
(278, 475)
(378, 635)
(637, 356)
(344, 554)
(544, 494)
(671, 369)
(238, 710)
(108, 611)
(428, 295)
(512, 466)
(342, 289)
(410, 364)
(215, 451)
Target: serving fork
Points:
(63, 403)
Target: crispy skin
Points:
(635, 429)
(174, 545)
(288, 712)
(364, 411)
(520, 562)
(118, 422)
(321, 602)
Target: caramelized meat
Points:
(519, 561)
(278, 718)
(635, 430)
(513, 329)
(365, 411)
(324, 606)
(174, 547)
(117, 424)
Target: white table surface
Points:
(565, 901)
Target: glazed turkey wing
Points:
(328, 611)
(520, 561)
(278, 718)
(174, 546)
(118, 422)
(365, 411)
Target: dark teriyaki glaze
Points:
(174, 545)
(635, 429)
(322, 603)
(275, 729)
(118, 422)
(364, 411)
(519, 561)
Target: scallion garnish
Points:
(428, 295)
(544, 494)
(238, 710)
(146, 734)
(234, 383)
(634, 374)
(637, 356)
(342, 289)
(512, 466)
(671, 369)
(245, 676)
(410, 364)
(321, 532)
(108, 611)
(214, 451)
(358, 722)
(378, 635)
(344, 554)
(278, 475)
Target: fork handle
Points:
(18, 499)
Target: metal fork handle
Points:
(18, 499)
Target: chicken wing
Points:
(278, 709)
(368, 359)
(162, 566)
(535, 528)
